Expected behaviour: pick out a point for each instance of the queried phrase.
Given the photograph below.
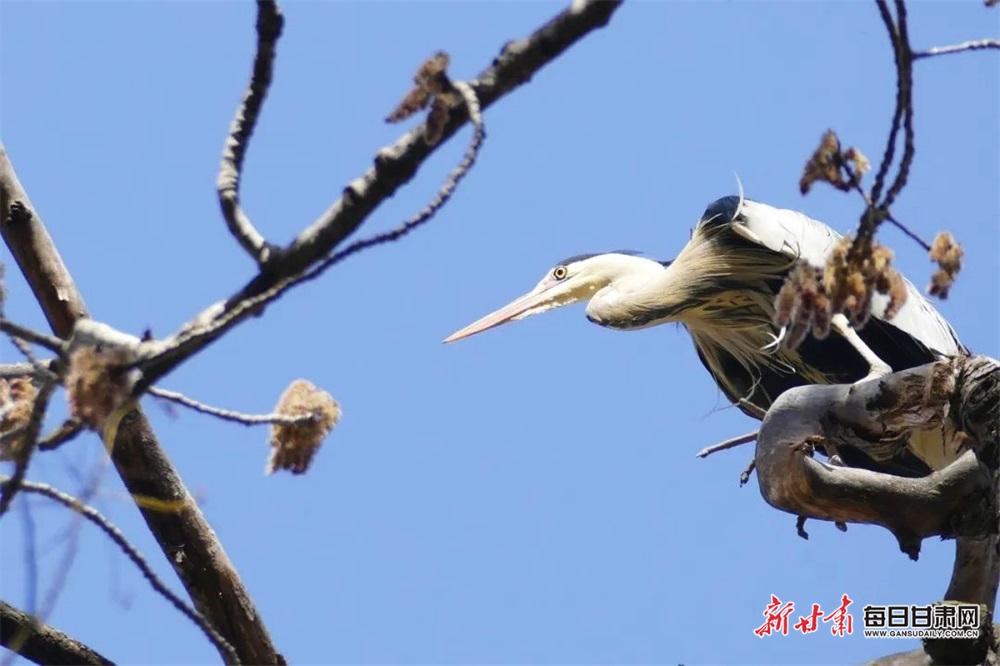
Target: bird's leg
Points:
(878, 367)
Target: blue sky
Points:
(530, 495)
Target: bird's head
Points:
(572, 280)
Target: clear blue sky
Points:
(530, 495)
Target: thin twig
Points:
(747, 471)
(269, 26)
(226, 414)
(727, 444)
(897, 117)
(30, 556)
(755, 411)
(31, 625)
(906, 230)
(50, 342)
(133, 554)
(73, 532)
(971, 45)
(904, 99)
(66, 432)
(855, 181)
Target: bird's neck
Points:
(629, 296)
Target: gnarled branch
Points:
(958, 500)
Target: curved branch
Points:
(41, 643)
(269, 25)
(958, 500)
(394, 166)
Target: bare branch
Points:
(958, 500)
(42, 644)
(71, 548)
(50, 342)
(306, 257)
(904, 100)
(173, 517)
(30, 244)
(226, 414)
(66, 432)
(133, 554)
(878, 207)
(727, 444)
(15, 370)
(752, 409)
(972, 45)
(178, 525)
(269, 26)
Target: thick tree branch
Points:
(959, 500)
(182, 532)
(36, 255)
(40, 643)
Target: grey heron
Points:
(721, 287)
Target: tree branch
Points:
(183, 534)
(394, 167)
(41, 643)
(134, 555)
(971, 45)
(170, 512)
(269, 26)
(958, 500)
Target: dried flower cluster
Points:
(17, 398)
(852, 276)
(811, 296)
(948, 254)
(802, 305)
(295, 444)
(97, 384)
(829, 165)
(431, 82)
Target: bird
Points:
(721, 287)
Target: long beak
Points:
(535, 301)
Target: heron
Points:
(721, 288)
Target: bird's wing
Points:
(797, 236)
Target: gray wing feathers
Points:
(797, 236)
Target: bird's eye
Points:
(559, 272)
